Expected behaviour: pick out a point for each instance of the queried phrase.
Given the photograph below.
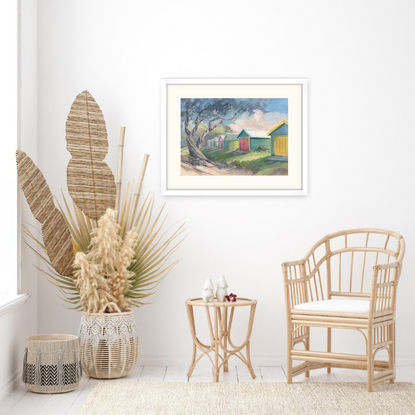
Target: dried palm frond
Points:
(151, 247)
(90, 181)
(80, 226)
(55, 232)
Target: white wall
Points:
(358, 57)
(21, 322)
(28, 143)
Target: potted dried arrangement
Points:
(105, 255)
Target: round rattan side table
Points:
(220, 334)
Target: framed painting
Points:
(234, 137)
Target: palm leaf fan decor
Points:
(90, 181)
(55, 231)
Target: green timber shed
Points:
(231, 142)
(250, 140)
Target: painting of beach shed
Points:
(279, 141)
(250, 140)
(237, 145)
(230, 142)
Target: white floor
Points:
(22, 402)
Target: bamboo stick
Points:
(119, 173)
(138, 191)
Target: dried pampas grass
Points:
(101, 275)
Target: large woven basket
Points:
(51, 363)
(109, 344)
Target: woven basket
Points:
(109, 344)
(51, 363)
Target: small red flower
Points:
(231, 298)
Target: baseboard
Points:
(184, 360)
(10, 384)
(257, 360)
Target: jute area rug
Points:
(248, 398)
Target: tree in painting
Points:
(203, 116)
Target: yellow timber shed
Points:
(279, 139)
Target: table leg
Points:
(216, 340)
(193, 332)
(248, 359)
(193, 364)
(248, 345)
(225, 338)
(237, 350)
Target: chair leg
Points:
(307, 347)
(370, 360)
(329, 347)
(392, 351)
(289, 359)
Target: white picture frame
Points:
(175, 184)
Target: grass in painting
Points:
(258, 163)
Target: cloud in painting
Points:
(258, 120)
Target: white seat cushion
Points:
(337, 305)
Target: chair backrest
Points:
(341, 264)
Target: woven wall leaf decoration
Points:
(56, 235)
(91, 183)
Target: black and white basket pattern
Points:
(52, 364)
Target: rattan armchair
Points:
(348, 280)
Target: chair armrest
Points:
(386, 266)
(294, 283)
(290, 273)
(293, 263)
(383, 287)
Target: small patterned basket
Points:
(51, 363)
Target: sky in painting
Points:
(277, 111)
(278, 105)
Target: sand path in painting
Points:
(220, 169)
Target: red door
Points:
(244, 143)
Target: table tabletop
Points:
(240, 302)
